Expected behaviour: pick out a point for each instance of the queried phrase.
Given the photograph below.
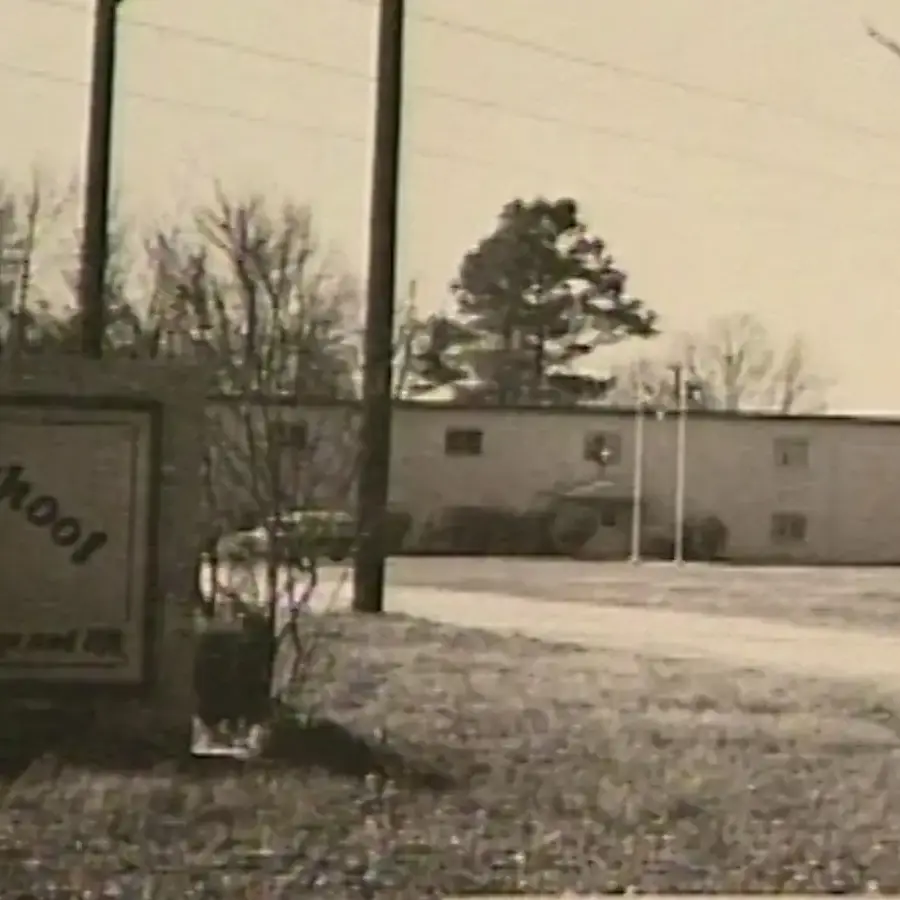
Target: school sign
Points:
(99, 528)
(76, 507)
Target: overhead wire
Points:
(325, 133)
(795, 170)
(500, 37)
(333, 134)
(636, 74)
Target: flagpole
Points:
(680, 463)
(637, 483)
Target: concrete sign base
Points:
(100, 499)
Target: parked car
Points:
(298, 535)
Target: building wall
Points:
(848, 491)
(864, 486)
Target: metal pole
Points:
(637, 484)
(680, 464)
(95, 226)
(375, 427)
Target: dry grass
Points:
(503, 764)
(826, 597)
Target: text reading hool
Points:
(43, 511)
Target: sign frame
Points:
(148, 588)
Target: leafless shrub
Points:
(250, 292)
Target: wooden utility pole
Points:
(95, 222)
(375, 428)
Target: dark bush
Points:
(535, 535)
(658, 546)
(573, 525)
(705, 539)
(475, 531)
(232, 671)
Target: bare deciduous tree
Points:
(32, 231)
(248, 290)
(735, 365)
(643, 380)
(124, 306)
(277, 483)
(251, 293)
(738, 365)
(883, 39)
(257, 290)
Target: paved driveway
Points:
(740, 642)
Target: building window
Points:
(791, 453)
(463, 442)
(788, 528)
(288, 435)
(603, 447)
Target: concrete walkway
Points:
(738, 642)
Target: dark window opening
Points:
(463, 442)
(603, 447)
(789, 528)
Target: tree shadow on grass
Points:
(327, 745)
(294, 745)
(323, 745)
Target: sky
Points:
(736, 156)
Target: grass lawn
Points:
(825, 597)
(483, 762)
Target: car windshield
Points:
(298, 516)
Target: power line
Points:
(293, 126)
(243, 49)
(487, 34)
(647, 140)
(221, 43)
(489, 105)
(794, 169)
(191, 105)
(663, 81)
(635, 74)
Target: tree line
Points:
(248, 285)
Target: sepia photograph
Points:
(449, 449)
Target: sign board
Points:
(76, 506)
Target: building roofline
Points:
(620, 412)
(595, 412)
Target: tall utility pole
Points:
(95, 222)
(637, 482)
(682, 389)
(375, 428)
